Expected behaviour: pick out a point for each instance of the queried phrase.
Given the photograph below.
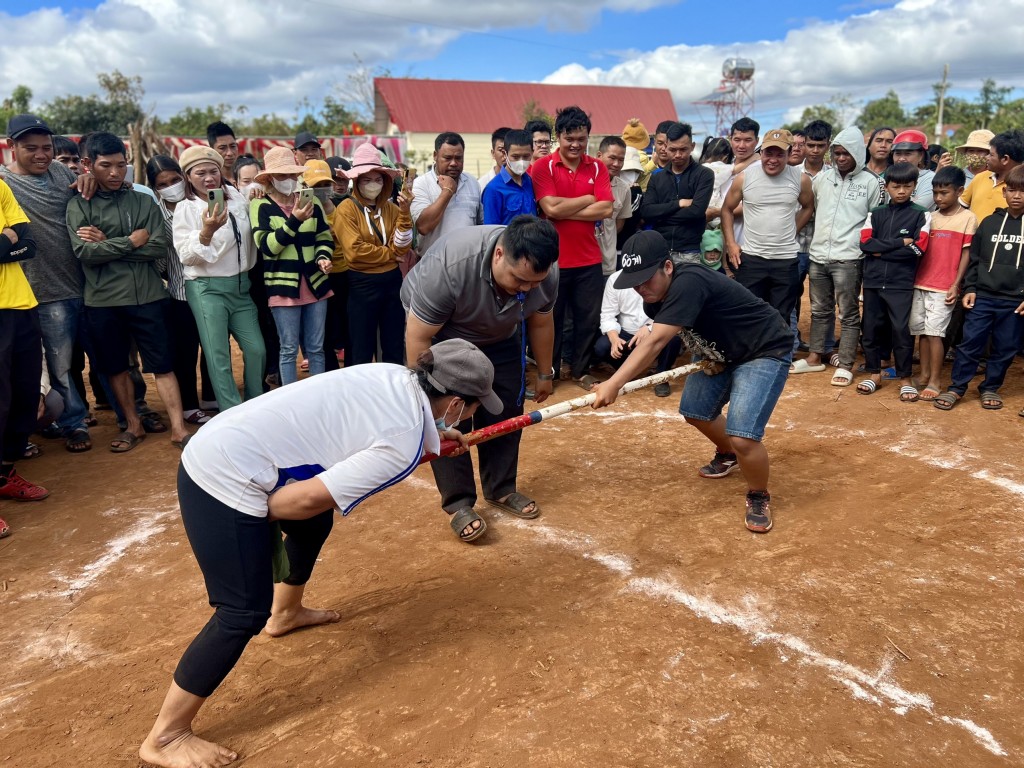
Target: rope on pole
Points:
(560, 409)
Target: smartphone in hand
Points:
(214, 198)
(306, 196)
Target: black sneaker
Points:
(759, 511)
(662, 390)
(720, 466)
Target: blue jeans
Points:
(305, 324)
(60, 323)
(752, 389)
(993, 317)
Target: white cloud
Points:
(267, 55)
(904, 48)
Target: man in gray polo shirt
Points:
(486, 285)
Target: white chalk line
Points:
(878, 688)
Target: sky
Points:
(270, 55)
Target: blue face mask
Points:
(443, 426)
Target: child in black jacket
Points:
(994, 298)
(893, 238)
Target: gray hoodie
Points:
(842, 204)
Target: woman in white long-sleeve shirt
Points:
(216, 251)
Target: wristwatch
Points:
(546, 376)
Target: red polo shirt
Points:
(577, 240)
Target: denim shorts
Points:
(752, 389)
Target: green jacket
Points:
(116, 273)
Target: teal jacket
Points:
(290, 248)
(117, 274)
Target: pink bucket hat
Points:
(365, 159)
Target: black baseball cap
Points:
(22, 124)
(642, 255)
(338, 162)
(305, 137)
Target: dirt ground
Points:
(635, 623)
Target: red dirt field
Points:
(635, 623)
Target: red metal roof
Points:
(433, 106)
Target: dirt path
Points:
(636, 623)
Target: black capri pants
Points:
(234, 553)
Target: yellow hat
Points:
(635, 135)
(317, 172)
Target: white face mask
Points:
(518, 167)
(442, 424)
(174, 193)
(246, 189)
(285, 186)
(629, 177)
(370, 189)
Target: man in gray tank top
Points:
(777, 202)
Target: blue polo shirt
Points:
(503, 199)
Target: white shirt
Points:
(484, 180)
(464, 209)
(607, 233)
(359, 430)
(221, 258)
(622, 309)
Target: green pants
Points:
(222, 306)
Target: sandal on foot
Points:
(587, 382)
(180, 444)
(125, 442)
(5, 529)
(867, 387)
(32, 451)
(909, 394)
(834, 360)
(464, 518)
(842, 378)
(78, 441)
(802, 366)
(152, 423)
(946, 401)
(515, 504)
(928, 394)
(91, 421)
(991, 401)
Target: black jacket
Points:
(884, 232)
(996, 268)
(682, 228)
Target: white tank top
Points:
(770, 204)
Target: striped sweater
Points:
(291, 247)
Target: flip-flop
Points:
(514, 504)
(867, 387)
(5, 529)
(802, 366)
(464, 518)
(180, 444)
(909, 394)
(929, 397)
(125, 442)
(842, 378)
(78, 441)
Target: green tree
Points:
(119, 105)
(991, 100)
(337, 117)
(837, 112)
(268, 125)
(192, 121)
(18, 103)
(884, 111)
(531, 110)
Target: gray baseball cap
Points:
(460, 368)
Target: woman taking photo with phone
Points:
(295, 240)
(214, 244)
(374, 234)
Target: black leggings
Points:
(234, 553)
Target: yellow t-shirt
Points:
(15, 292)
(983, 196)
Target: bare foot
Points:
(184, 751)
(285, 622)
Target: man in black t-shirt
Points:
(711, 311)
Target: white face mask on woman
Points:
(174, 193)
(369, 190)
(285, 186)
